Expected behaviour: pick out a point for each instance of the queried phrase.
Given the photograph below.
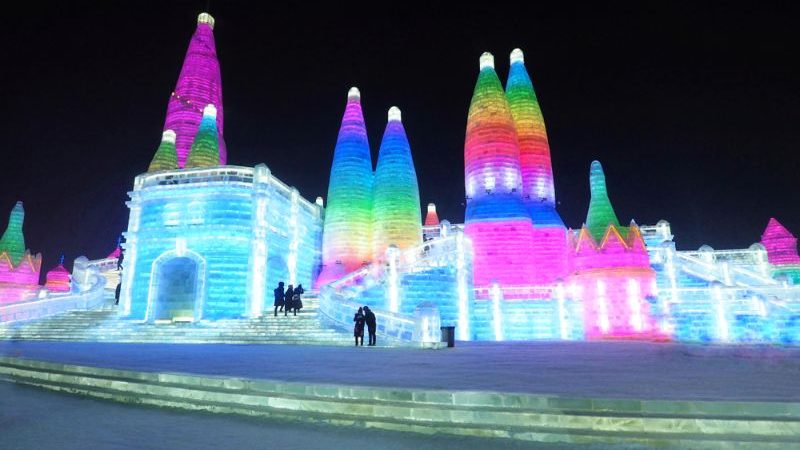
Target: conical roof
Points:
(205, 148)
(199, 84)
(347, 235)
(431, 218)
(166, 157)
(534, 150)
(396, 192)
(13, 241)
(491, 150)
(601, 214)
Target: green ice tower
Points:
(13, 242)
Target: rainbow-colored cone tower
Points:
(496, 219)
(199, 84)
(396, 208)
(538, 192)
(347, 233)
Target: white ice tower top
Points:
(210, 110)
(431, 207)
(354, 93)
(394, 114)
(487, 60)
(517, 56)
(206, 18)
(168, 136)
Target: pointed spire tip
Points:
(486, 60)
(210, 110)
(431, 207)
(168, 136)
(394, 114)
(206, 18)
(354, 93)
(517, 56)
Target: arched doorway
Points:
(176, 288)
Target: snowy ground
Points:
(33, 419)
(586, 369)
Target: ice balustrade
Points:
(340, 299)
(87, 292)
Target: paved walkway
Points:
(585, 369)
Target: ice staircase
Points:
(105, 325)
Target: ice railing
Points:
(741, 267)
(87, 293)
(227, 175)
(339, 299)
(107, 268)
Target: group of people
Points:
(288, 300)
(364, 316)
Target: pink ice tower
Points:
(549, 233)
(431, 217)
(610, 272)
(496, 219)
(58, 278)
(781, 246)
(199, 84)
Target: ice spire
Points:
(199, 84)
(166, 157)
(601, 213)
(347, 233)
(780, 243)
(534, 150)
(205, 148)
(431, 218)
(491, 150)
(496, 219)
(396, 192)
(13, 241)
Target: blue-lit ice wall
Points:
(244, 229)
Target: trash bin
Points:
(449, 336)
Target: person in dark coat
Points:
(358, 328)
(117, 292)
(278, 298)
(297, 300)
(369, 318)
(287, 300)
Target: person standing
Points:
(297, 301)
(369, 318)
(117, 292)
(287, 300)
(358, 328)
(278, 297)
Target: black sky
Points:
(693, 110)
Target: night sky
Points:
(693, 112)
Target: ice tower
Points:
(496, 219)
(781, 248)
(19, 270)
(199, 84)
(611, 271)
(549, 233)
(166, 157)
(431, 218)
(396, 209)
(347, 234)
(205, 148)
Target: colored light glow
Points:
(347, 236)
(462, 274)
(392, 259)
(396, 218)
(534, 149)
(199, 84)
(497, 316)
(205, 148)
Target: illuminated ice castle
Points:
(207, 241)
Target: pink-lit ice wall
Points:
(199, 84)
(496, 219)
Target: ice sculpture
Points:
(199, 84)
(347, 235)
(549, 233)
(781, 246)
(205, 148)
(166, 157)
(57, 279)
(534, 150)
(611, 271)
(396, 209)
(431, 218)
(19, 270)
(496, 219)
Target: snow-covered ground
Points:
(585, 369)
